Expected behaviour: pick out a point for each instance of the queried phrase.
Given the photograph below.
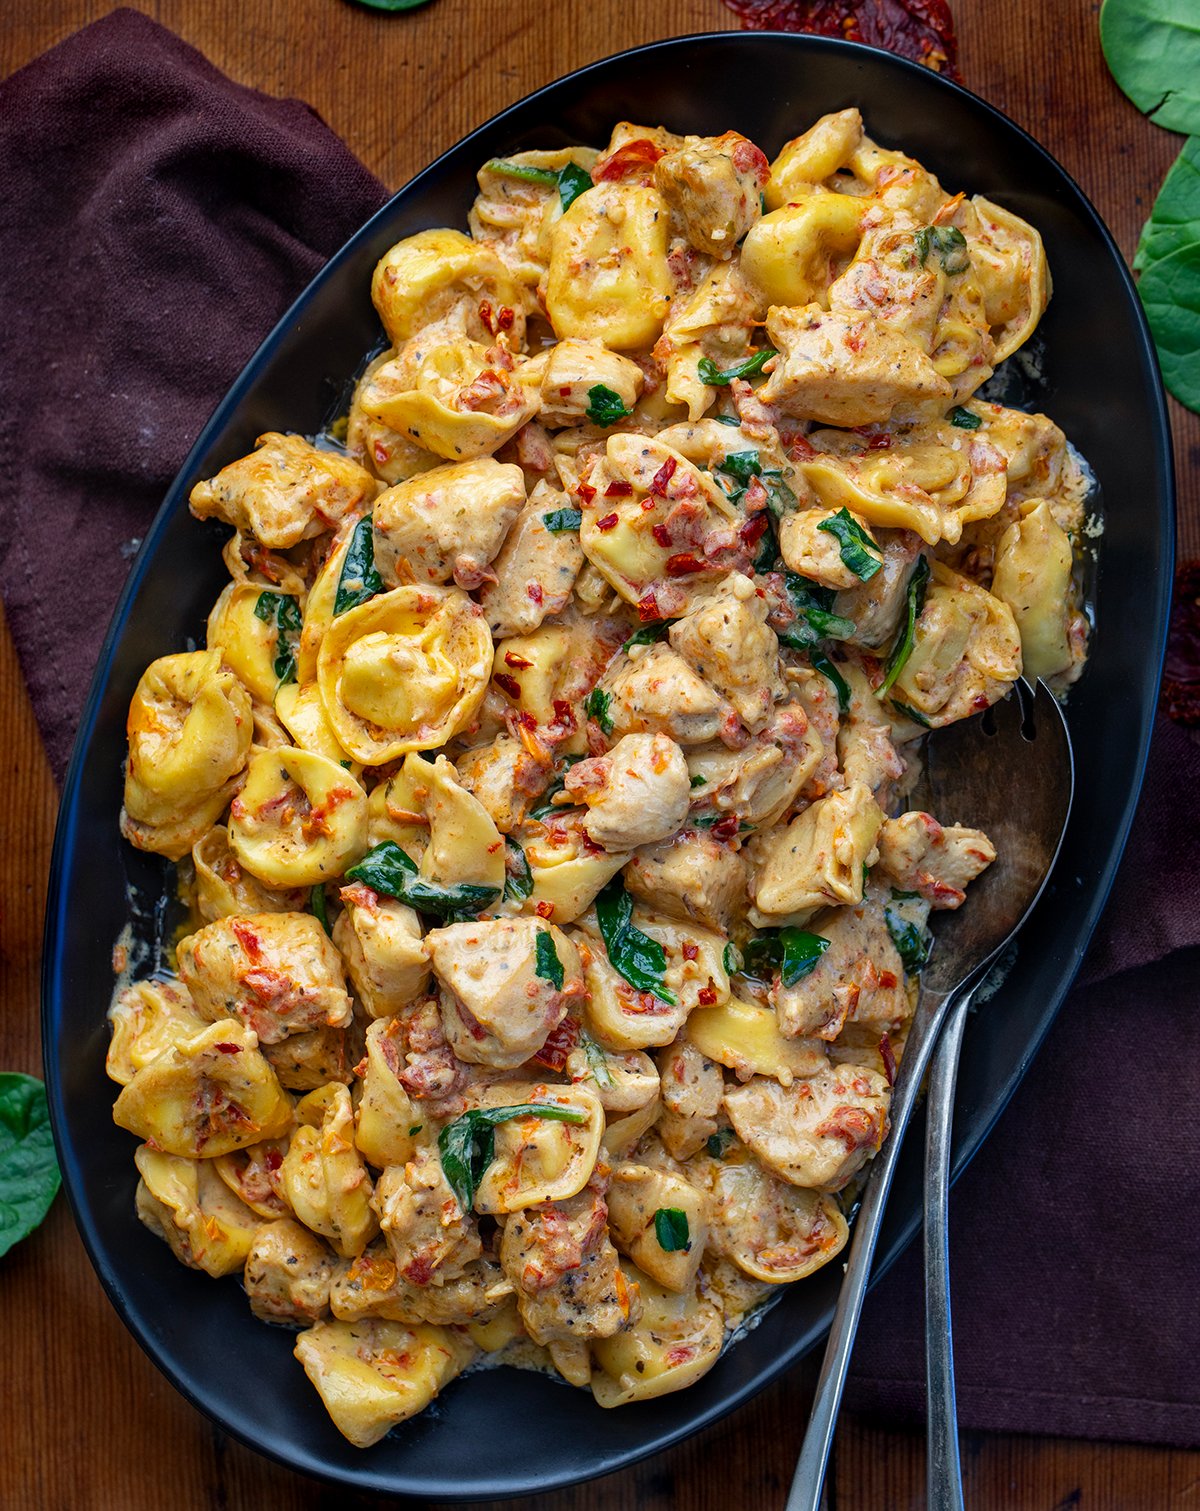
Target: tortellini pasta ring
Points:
(299, 820)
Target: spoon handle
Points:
(809, 1478)
(943, 1468)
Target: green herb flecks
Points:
(468, 1144)
(389, 870)
(605, 407)
(647, 634)
(671, 1230)
(964, 419)
(29, 1175)
(631, 953)
(559, 521)
(283, 611)
(717, 1143)
(358, 580)
(547, 964)
(597, 705)
(913, 944)
(950, 245)
(860, 553)
(918, 583)
(716, 377)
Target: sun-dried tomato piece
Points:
(922, 30)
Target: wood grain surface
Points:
(89, 1423)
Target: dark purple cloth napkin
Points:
(156, 220)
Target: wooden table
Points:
(90, 1424)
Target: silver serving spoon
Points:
(1011, 774)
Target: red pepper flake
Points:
(707, 995)
(564, 714)
(507, 684)
(922, 30)
(658, 483)
(534, 592)
(753, 530)
(485, 316)
(519, 662)
(606, 522)
(979, 702)
(888, 1058)
(683, 563)
(640, 153)
(229, 1049)
(648, 607)
(560, 1041)
(505, 318)
(272, 1159)
(618, 489)
(690, 949)
(526, 720)
(727, 827)
(544, 909)
(663, 536)
(879, 442)
(586, 492)
(800, 449)
(887, 980)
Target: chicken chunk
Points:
(288, 1274)
(658, 690)
(714, 185)
(816, 1133)
(758, 783)
(447, 523)
(426, 1230)
(562, 1262)
(875, 606)
(692, 877)
(637, 794)
(284, 492)
(536, 567)
(278, 972)
(370, 1285)
(726, 640)
(859, 977)
(842, 369)
(511, 982)
(691, 1089)
(504, 777)
(938, 863)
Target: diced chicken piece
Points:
(504, 777)
(284, 492)
(846, 370)
(637, 794)
(427, 1232)
(859, 978)
(380, 941)
(574, 369)
(303, 1062)
(511, 982)
(447, 523)
(691, 877)
(691, 1089)
(725, 639)
(865, 749)
(431, 1072)
(875, 606)
(536, 567)
(939, 863)
(288, 1273)
(816, 1133)
(659, 691)
(370, 1285)
(278, 972)
(562, 1262)
(818, 859)
(713, 184)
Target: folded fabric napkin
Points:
(157, 219)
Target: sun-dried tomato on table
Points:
(922, 30)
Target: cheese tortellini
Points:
(556, 902)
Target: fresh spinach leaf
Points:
(518, 877)
(29, 1175)
(596, 705)
(964, 419)
(282, 610)
(468, 1144)
(547, 805)
(605, 406)
(631, 953)
(1175, 216)
(715, 377)
(731, 959)
(358, 580)
(801, 952)
(856, 545)
(717, 1143)
(918, 584)
(1170, 291)
(320, 910)
(557, 521)
(572, 182)
(1153, 50)
(671, 1230)
(389, 870)
(649, 633)
(913, 944)
(547, 964)
(825, 666)
(815, 619)
(911, 713)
